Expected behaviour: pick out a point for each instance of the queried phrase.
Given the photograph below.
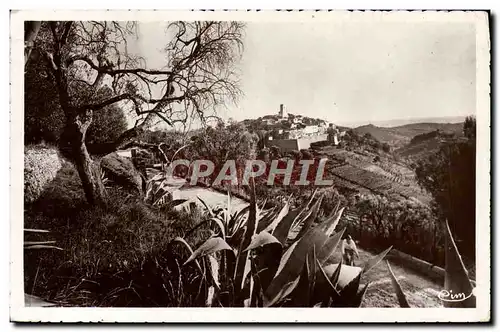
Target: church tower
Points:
(282, 113)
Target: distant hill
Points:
(425, 144)
(402, 122)
(399, 136)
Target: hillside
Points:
(423, 145)
(399, 136)
(372, 173)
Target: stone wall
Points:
(287, 145)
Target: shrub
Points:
(107, 125)
(406, 224)
(41, 165)
(44, 119)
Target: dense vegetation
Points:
(45, 121)
(355, 141)
(450, 176)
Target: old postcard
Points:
(250, 166)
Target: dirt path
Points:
(419, 290)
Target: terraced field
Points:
(359, 172)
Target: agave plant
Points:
(276, 257)
(30, 245)
(31, 300)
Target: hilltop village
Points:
(290, 132)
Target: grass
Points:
(115, 256)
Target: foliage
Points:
(224, 143)
(45, 119)
(470, 128)
(449, 176)
(276, 257)
(107, 125)
(353, 140)
(407, 225)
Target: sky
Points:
(349, 73)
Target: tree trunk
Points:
(89, 173)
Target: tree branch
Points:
(110, 101)
(112, 72)
(67, 28)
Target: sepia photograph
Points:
(189, 162)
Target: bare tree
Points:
(198, 77)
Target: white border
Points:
(481, 313)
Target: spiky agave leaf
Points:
(286, 256)
(256, 293)
(29, 243)
(228, 209)
(41, 246)
(325, 290)
(291, 268)
(329, 247)
(177, 202)
(187, 246)
(403, 302)
(281, 231)
(284, 212)
(336, 275)
(36, 230)
(347, 273)
(375, 260)
(242, 262)
(303, 213)
(214, 269)
(360, 296)
(239, 220)
(311, 259)
(262, 239)
(456, 278)
(210, 296)
(35, 301)
(350, 296)
(301, 296)
(209, 210)
(265, 218)
(333, 221)
(220, 225)
(282, 293)
(312, 216)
